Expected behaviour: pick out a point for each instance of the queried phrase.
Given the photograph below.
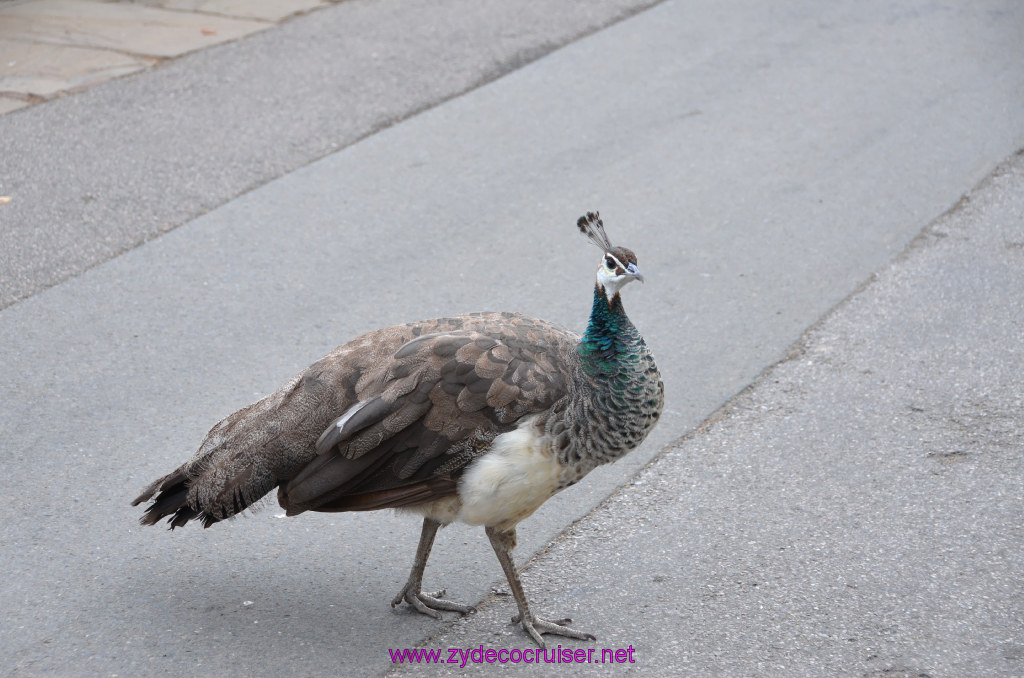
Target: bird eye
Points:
(609, 263)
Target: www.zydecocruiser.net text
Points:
(532, 655)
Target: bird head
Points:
(618, 264)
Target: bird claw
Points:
(429, 603)
(535, 626)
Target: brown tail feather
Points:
(171, 500)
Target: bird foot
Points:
(535, 626)
(429, 603)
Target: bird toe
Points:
(535, 626)
(429, 604)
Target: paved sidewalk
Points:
(53, 47)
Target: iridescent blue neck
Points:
(609, 334)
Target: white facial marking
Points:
(609, 280)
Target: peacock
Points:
(478, 418)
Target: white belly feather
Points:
(510, 481)
(505, 485)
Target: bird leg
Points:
(503, 542)
(412, 593)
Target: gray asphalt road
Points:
(857, 512)
(96, 174)
(762, 161)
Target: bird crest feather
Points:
(591, 226)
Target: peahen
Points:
(478, 418)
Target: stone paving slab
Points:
(41, 70)
(119, 26)
(53, 46)
(8, 104)
(268, 10)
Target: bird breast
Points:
(508, 483)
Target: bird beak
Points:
(635, 272)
